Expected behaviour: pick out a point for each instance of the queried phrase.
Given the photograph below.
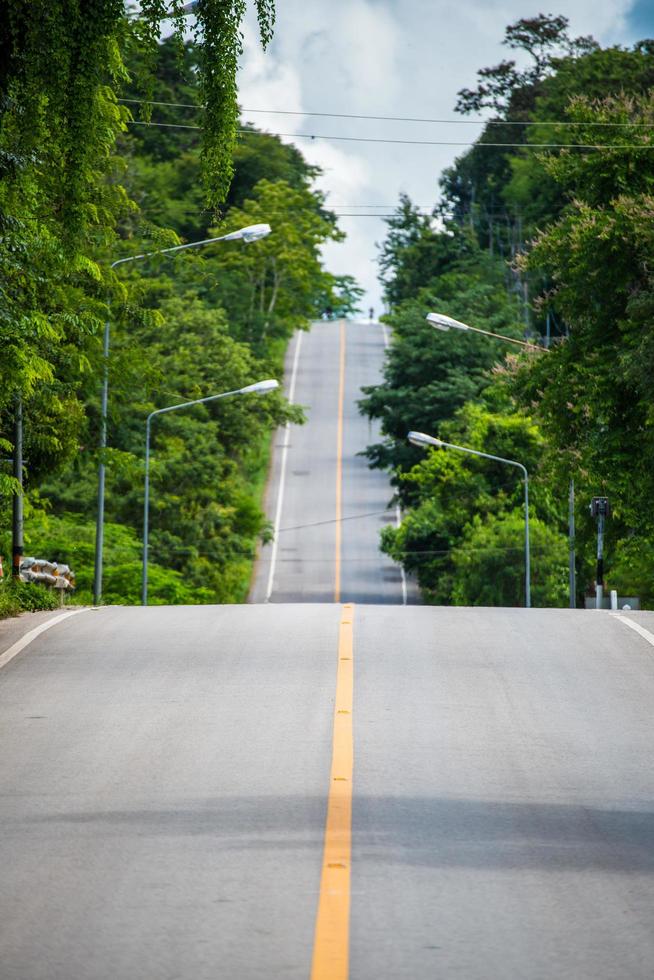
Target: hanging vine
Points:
(62, 64)
(220, 44)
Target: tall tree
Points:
(61, 196)
(594, 393)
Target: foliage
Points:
(585, 278)
(545, 39)
(429, 374)
(506, 194)
(342, 295)
(594, 395)
(164, 174)
(220, 45)
(18, 597)
(488, 564)
(70, 540)
(268, 289)
(181, 325)
(204, 521)
(61, 199)
(460, 503)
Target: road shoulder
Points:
(16, 628)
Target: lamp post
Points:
(248, 234)
(420, 439)
(442, 322)
(17, 542)
(259, 388)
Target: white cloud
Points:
(392, 58)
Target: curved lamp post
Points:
(420, 439)
(248, 234)
(442, 322)
(258, 388)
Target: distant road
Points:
(328, 507)
(165, 777)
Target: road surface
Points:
(326, 505)
(176, 787)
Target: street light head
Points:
(260, 387)
(442, 322)
(251, 233)
(422, 439)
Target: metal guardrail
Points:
(51, 573)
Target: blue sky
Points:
(641, 19)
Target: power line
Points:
(369, 139)
(409, 119)
(422, 210)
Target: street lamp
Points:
(442, 322)
(250, 233)
(420, 439)
(258, 388)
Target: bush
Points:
(18, 597)
(489, 563)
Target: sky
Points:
(390, 58)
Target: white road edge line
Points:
(24, 641)
(282, 473)
(398, 512)
(646, 635)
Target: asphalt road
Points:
(165, 775)
(327, 506)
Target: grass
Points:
(18, 597)
(257, 480)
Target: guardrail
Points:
(50, 573)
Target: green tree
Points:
(489, 569)
(594, 394)
(507, 87)
(207, 462)
(81, 189)
(269, 290)
(164, 175)
(586, 276)
(62, 65)
(429, 375)
(463, 536)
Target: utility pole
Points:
(17, 546)
(599, 508)
(571, 544)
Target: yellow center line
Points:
(339, 462)
(332, 937)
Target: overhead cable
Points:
(409, 119)
(369, 139)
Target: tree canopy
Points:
(89, 180)
(553, 244)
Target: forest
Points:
(92, 173)
(548, 239)
(115, 144)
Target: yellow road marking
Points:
(332, 937)
(339, 462)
